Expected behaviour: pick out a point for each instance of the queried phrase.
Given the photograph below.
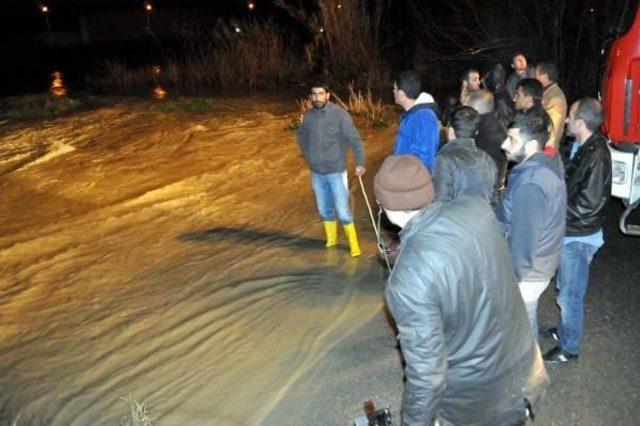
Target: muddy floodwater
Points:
(171, 258)
(176, 259)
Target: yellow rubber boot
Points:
(331, 229)
(350, 231)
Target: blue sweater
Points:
(419, 134)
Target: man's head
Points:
(585, 117)
(519, 63)
(320, 94)
(528, 93)
(406, 88)
(472, 77)
(402, 187)
(527, 135)
(481, 101)
(495, 78)
(463, 123)
(546, 73)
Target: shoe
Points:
(350, 231)
(550, 333)
(331, 230)
(557, 355)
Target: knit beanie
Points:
(403, 183)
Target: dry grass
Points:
(138, 414)
(357, 104)
(360, 104)
(260, 55)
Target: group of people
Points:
(480, 240)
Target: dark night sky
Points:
(23, 31)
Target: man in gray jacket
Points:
(469, 352)
(461, 168)
(324, 136)
(533, 208)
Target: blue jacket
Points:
(533, 215)
(419, 134)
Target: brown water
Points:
(172, 257)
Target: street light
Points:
(251, 5)
(45, 11)
(148, 7)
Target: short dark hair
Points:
(515, 55)
(533, 124)
(409, 83)
(464, 121)
(320, 83)
(481, 100)
(495, 78)
(465, 76)
(550, 69)
(591, 112)
(531, 87)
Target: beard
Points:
(319, 104)
(517, 156)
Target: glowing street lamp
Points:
(45, 11)
(339, 6)
(251, 5)
(148, 7)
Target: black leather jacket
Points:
(463, 329)
(588, 179)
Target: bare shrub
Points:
(259, 55)
(346, 37)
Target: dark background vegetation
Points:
(107, 46)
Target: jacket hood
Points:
(424, 98)
(423, 101)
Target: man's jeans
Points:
(573, 278)
(332, 196)
(531, 292)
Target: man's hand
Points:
(360, 170)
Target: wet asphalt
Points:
(601, 388)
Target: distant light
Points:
(237, 29)
(251, 5)
(593, 9)
(57, 85)
(321, 30)
(156, 69)
(44, 9)
(339, 5)
(159, 93)
(148, 7)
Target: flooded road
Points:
(173, 258)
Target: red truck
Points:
(620, 94)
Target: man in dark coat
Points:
(469, 351)
(588, 180)
(462, 168)
(491, 131)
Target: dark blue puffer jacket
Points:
(533, 215)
